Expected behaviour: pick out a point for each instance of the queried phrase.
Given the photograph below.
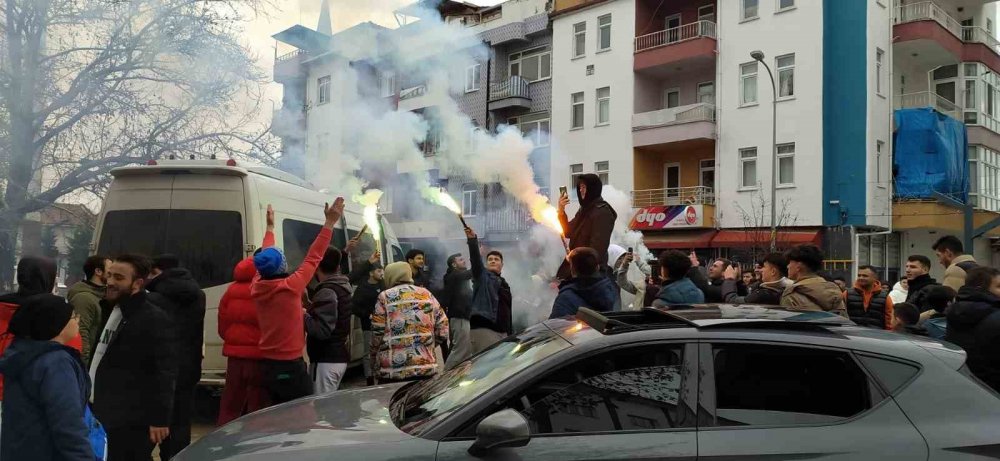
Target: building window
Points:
(472, 76)
(602, 169)
(879, 146)
(386, 83)
(534, 127)
(706, 13)
(532, 65)
(879, 58)
(785, 5)
(604, 105)
(749, 9)
(575, 171)
(604, 32)
(469, 199)
(707, 170)
(577, 110)
(323, 87)
(786, 164)
(786, 75)
(748, 83)
(748, 168)
(579, 39)
(970, 95)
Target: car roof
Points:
(745, 322)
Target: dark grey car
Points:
(707, 382)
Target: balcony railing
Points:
(512, 87)
(511, 218)
(701, 112)
(675, 35)
(290, 56)
(929, 11)
(413, 92)
(698, 195)
(928, 99)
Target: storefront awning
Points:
(679, 239)
(762, 238)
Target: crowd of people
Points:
(127, 341)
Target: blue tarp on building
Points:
(931, 155)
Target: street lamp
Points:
(758, 56)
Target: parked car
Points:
(710, 382)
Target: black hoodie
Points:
(918, 289)
(974, 325)
(593, 224)
(178, 294)
(35, 275)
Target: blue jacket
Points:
(44, 400)
(683, 291)
(597, 293)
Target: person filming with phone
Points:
(592, 225)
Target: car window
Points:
(763, 385)
(209, 243)
(892, 374)
(631, 389)
(424, 403)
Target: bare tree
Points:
(756, 220)
(90, 85)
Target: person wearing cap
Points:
(47, 387)
(457, 303)
(278, 298)
(407, 326)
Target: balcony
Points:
(412, 92)
(933, 38)
(690, 42)
(697, 195)
(928, 99)
(684, 123)
(513, 218)
(290, 66)
(510, 94)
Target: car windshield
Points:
(423, 403)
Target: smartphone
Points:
(563, 191)
(630, 250)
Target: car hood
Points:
(318, 423)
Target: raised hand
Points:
(270, 217)
(375, 257)
(469, 233)
(334, 212)
(563, 201)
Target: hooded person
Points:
(621, 260)
(899, 291)
(408, 325)
(47, 387)
(35, 276)
(593, 224)
(974, 323)
(239, 329)
(588, 288)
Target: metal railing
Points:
(701, 112)
(698, 195)
(511, 87)
(675, 35)
(510, 218)
(928, 11)
(290, 56)
(976, 34)
(928, 99)
(413, 92)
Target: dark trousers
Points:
(180, 422)
(244, 392)
(286, 380)
(129, 443)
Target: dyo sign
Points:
(663, 217)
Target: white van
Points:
(211, 213)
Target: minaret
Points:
(325, 24)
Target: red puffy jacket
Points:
(238, 325)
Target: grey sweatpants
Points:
(461, 343)
(483, 338)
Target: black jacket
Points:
(328, 325)
(974, 325)
(177, 293)
(456, 297)
(592, 226)
(44, 400)
(712, 288)
(492, 301)
(917, 291)
(768, 293)
(134, 385)
(365, 295)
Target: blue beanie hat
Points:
(270, 261)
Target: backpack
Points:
(936, 327)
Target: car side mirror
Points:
(505, 428)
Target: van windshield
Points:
(208, 243)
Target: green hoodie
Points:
(85, 298)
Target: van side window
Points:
(296, 237)
(397, 254)
(209, 243)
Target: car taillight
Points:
(230, 162)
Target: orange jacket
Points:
(867, 300)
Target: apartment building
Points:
(509, 84)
